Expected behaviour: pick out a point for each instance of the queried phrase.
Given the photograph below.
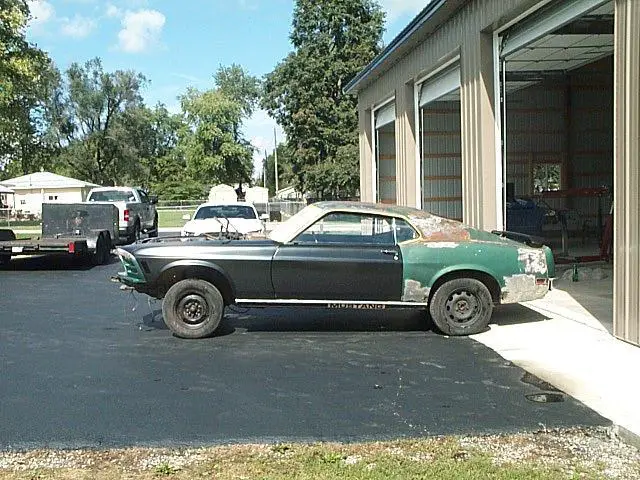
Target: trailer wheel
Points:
(193, 308)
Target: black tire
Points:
(462, 306)
(103, 251)
(193, 308)
(5, 259)
(135, 233)
(154, 229)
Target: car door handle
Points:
(389, 252)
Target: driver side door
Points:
(342, 256)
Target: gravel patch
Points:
(572, 450)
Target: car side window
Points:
(350, 229)
(143, 197)
(403, 230)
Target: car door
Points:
(342, 256)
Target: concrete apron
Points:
(569, 348)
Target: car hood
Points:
(212, 225)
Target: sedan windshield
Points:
(225, 211)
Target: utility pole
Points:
(264, 169)
(275, 155)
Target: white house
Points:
(32, 190)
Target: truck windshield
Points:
(111, 196)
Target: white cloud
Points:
(398, 8)
(112, 11)
(141, 30)
(41, 11)
(78, 26)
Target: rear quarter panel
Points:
(425, 262)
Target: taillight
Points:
(72, 247)
(126, 215)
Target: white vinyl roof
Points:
(45, 180)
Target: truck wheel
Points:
(461, 306)
(193, 308)
(103, 250)
(154, 229)
(135, 233)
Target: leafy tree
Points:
(333, 40)
(239, 86)
(92, 116)
(26, 74)
(211, 144)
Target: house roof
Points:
(45, 180)
(423, 25)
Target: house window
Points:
(546, 177)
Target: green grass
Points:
(172, 218)
(427, 459)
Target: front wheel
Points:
(193, 308)
(461, 306)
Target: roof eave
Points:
(417, 26)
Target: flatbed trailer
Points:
(70, 229)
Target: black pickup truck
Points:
(70, 229)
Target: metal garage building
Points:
(478, 103)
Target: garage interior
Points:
(557, 145)
(385, 154)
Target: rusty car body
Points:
(342, 255)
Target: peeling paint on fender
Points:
(415, 292)
(534, 260)
(522, 288)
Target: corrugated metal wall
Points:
(442, 159)
(591, 136)
(536, 134)
(626, 295)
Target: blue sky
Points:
(181, 43)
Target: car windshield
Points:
(112, 196)
(225, 211)
(286, 230)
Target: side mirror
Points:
(153, 199)
(264, 217)
(186, 217)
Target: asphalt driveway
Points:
(84, 364)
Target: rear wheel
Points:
(193, 308)
(134, 236)
(154, 229)
(103, 250)
(461, 306)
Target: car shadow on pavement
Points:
(274, 319)
(52, 262)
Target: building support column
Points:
(405, 146)
(366, 154)
(478, 120)
(626, 149)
